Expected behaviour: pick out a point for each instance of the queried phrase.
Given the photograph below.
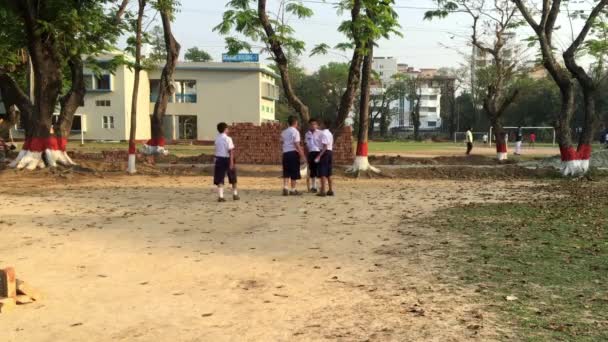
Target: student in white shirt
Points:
(325, 160)
(469, 140)
(224, 162)
(292, 155)
(311, 137)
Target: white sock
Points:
(293, 189)
(314, 183)
(235, 191)
(220, 192)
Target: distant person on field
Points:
(224, 162)
(469, 140)
(485, 139)
(325, 160)
(519, 139)
(292, 155)
(312, 138)
(532, 139)
(606, 139)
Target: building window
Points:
(185, 91)
(98, 83)
(103, 82)
(103, 103)
(154, 86)
(270, 91)
(108, 122)
(431, 123)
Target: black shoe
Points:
(236, 197)
(285, 192)
(321, 194)
(313, 190)
(330, 193)
(295, 193)
(221, 199)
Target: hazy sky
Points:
(425, 44)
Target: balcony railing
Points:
(177, 98)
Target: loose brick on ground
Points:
(8, 285)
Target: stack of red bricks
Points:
(14, 291)
(262, 144)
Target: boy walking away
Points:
(519, 138)
(325, 160)
(292, 154)
(311, 138)
(224, 163)
(469, 140)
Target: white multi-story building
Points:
(386, 68)
(429, 89)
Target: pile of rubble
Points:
(14, 292)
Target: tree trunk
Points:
(354, 72)
(282, 62)
(502, 152)
(134, 99)
(361, 163)
(416, 118)
(384, 122)
(156, 145)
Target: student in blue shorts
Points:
(224, 163)
(325, 160)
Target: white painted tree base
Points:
(131, 164)
(362, 164)
(32, 160)
(28, 160)
(154, 150)
(54, 157)
(502, 156)
(575, 167)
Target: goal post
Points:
(553, 135)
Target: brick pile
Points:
(14, 292)
(262, 144)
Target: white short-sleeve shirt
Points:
(326, 138)
(223, 145)
(290, 137)
(312, 141)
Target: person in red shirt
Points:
(532, 139)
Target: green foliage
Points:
(242, 18)
(156, 40)
(195, 54)
(77, 28)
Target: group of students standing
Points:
(319, 145)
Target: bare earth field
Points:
(150, 258)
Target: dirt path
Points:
(155, 258)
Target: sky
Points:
(425, 44)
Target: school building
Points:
(205, 94)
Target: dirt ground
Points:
(148, 258)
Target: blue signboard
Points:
(241, 57)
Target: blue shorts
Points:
(325, 168)
(291, 165)
(222, 168)
(312, 165)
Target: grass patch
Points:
(551, 254)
